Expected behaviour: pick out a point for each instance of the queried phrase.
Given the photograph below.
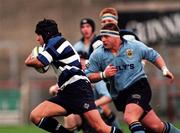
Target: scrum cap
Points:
(47, 28)
(88, 21)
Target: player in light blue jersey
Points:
(119, 61)
(75, 94)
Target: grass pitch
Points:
(34, 129)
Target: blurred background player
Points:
(87, 29)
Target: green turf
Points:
(34, 129)
(20, 129)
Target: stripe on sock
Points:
(136, 127)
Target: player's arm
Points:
(109, 71)
(154, 57)
(33, 62)
(103, 100)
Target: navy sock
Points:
(115, 130)
(136, 127)
(111, 120)
(52, 125)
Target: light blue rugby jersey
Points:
(64, 59)
(127, 62)
(100, 89)
(80, 46)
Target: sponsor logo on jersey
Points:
(129, 53)
(125, 67)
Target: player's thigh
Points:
(48, 109)
(72, 121)
(152, 121)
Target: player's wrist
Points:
(164, 70)
(102, 75)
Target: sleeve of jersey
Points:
(45, 58)
(149, 53)
(77, 47)
(102, 89)
(93, 64)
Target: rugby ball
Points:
(36, 50)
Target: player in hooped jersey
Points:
(75, 94)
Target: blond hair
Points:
(108, 10)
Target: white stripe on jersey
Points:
(61, 69)
(70, 59)
(47, 55)
(75, 52)
(63, 46)
(74, 79)
(57, 71)
(69, 67)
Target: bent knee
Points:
(34, 117)
(129, 119)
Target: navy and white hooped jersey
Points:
(127, 62)
(64, 59)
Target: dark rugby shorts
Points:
(76, 98)
(138, 93)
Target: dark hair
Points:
(47, 28)
(88, 21)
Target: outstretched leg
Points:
(42, 117)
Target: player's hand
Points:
(53, 90)
(168, 74)
(110, 71)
